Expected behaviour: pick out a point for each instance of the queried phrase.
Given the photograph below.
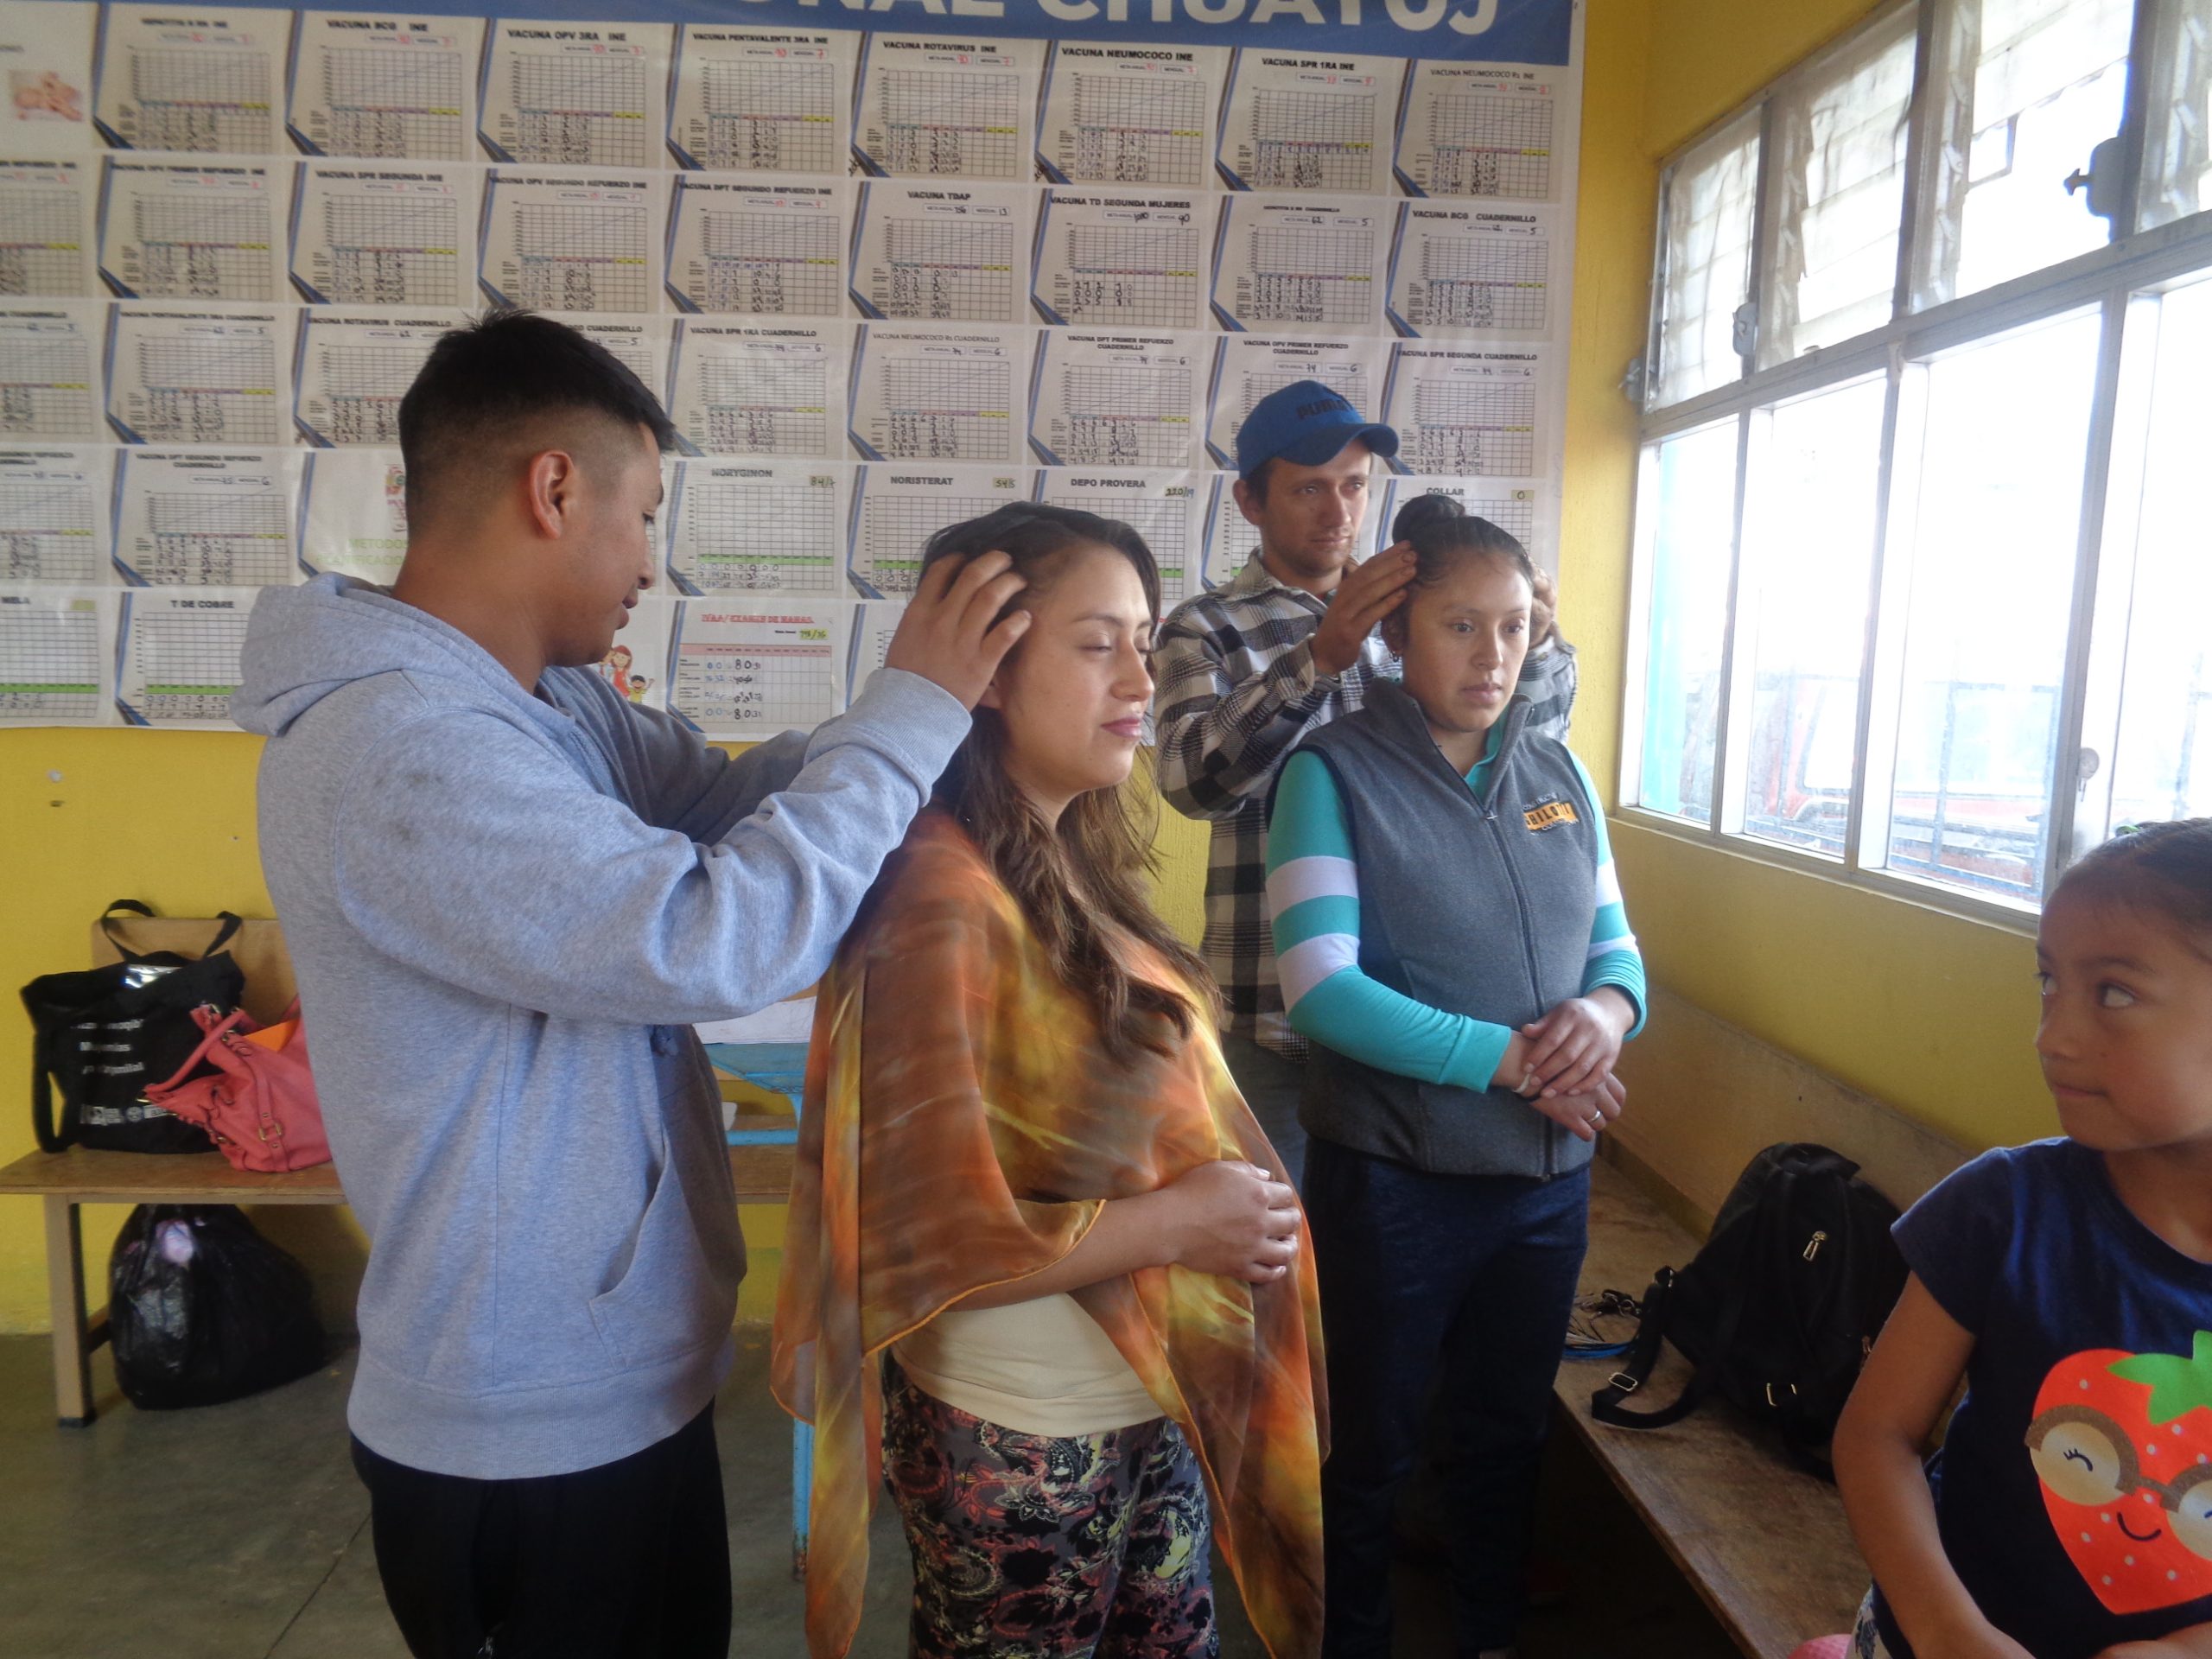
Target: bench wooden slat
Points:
(1765, 1545)
(85, 1176)
(762, 1175)
(63, 1180)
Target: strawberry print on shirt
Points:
(2122, 1446)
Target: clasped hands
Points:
(1563, 1064)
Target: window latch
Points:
(2101, 179)
(1743, 329)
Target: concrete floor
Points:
(239, 1532)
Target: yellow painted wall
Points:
(1932, 1013)
(1926, 1011)
(85, 818)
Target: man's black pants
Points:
(628, 1560)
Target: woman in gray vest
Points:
(1451, 938)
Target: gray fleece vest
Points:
(1476, 907)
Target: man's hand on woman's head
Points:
(947, 635)
(1368, 592)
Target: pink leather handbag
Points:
(258, 1102)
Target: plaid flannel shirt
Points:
(1236, 689)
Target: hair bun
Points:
(1425, 512)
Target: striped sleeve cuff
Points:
(1624, 971)
(1315, 903)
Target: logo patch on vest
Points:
(1547, 815)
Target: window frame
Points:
(2115, 279)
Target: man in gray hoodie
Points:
(508, 893)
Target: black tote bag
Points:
(102, 1034)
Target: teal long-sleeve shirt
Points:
(1313, 899)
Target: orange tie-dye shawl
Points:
(962, 1122)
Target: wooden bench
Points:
(759, 1161)
(1765, 1545)
(67, 1180)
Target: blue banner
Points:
(1495, 31)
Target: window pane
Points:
(2178, 144)
(2162, 766)
(1992, 556)
(2034, 88)
(1839, 140)
(1692, 506)
(1705, 200)
(1810, 499)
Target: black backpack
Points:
(1780, 1307)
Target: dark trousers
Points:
(628, 1560)
(1466, 1280)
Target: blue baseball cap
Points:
(1305, 422)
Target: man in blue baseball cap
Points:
(1245, 671)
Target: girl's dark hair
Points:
(1444, 532)
(2159, 869)
(1081, 883)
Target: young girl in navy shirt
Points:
(2069, 1512)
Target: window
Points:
(2156, 724)
(1706, 261)
(1812, 488)
(1921, 568)
(2031, 89)
(1692, 484)
(1989, 542)
(2178, 136)
(1839, 155)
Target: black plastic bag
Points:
(202, 1308)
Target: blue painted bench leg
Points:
(802, 1492)
(779, 1081)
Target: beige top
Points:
(1038, 1367)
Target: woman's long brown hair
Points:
(1080, 883)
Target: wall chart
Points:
(889, 263)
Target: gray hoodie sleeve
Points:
(461, 853)
(673, 777)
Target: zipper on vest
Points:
(1551, 1131)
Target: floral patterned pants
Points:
(1866, 1635)
(1037, 1546)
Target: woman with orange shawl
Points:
(1036, 1261)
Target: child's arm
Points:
(1909, 1378)
(2193, 1643)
